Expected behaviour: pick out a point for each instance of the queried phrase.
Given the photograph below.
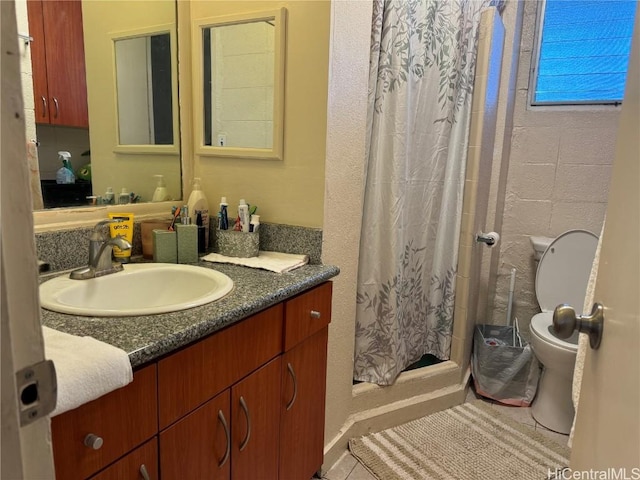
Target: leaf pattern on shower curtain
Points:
(414, 51)
(420, 84)
(404, 296)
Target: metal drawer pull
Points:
(223, 421)
(55, 102)
(295, 386)
(143, 472)
(93, 441)
(44, 106)
(243, 404)
(315, 314)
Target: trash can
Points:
(503, 365)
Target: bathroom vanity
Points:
(233, 389)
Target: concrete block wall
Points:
(559, 169)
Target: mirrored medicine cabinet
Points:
(239, 84)
(144, 63)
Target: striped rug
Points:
(468, 442)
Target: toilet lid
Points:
(564, 270)
(541, 326)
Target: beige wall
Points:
(289, 191)
(559, 167)
(346, 135)
(118, 170)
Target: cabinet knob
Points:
(315, 314)
(93, 441)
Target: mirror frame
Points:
(278, 16)
(173, 149)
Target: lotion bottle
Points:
(198, 202)
(109, 196)
(124, 197)
(243, 215)
(254, 225)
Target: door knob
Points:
(565, 321)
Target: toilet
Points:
(563, 274)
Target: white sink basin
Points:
(140, 289)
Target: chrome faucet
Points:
(100, 249)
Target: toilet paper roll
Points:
(490, 239)
(495, 236)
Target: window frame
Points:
(533, 76)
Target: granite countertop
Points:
(149, 337)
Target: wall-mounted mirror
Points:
(104, 32)
(239, 82)
(144, 63)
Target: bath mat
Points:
(468, 442)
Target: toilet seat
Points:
(564, 270)
(539, 326)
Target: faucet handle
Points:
(98, 233)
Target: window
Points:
(582, 52)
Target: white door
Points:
(25, 450)
(607, 434)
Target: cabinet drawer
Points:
(192, 376)
(307, 314)
(131, 467)
(123, 419)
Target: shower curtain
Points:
(421, 77)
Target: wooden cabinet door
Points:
(134, 466)
(66, 76)
(304, 370)
(255, 414)
(38, 61)
(60, 85)
(190, 377)
(123, 419)
(198, 446)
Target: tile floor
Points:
(348, 468)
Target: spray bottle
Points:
(65, 174)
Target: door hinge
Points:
(37, 391)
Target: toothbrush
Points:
(175, 216)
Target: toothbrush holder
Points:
(237, 244)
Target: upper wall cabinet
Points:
(239, 84)
(57, 57)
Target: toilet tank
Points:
(540, 244)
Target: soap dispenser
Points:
(160, 194)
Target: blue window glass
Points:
(584, 51)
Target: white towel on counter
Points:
(272, 261)
(85, 368)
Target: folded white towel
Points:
(273, 261)
(85, 368)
